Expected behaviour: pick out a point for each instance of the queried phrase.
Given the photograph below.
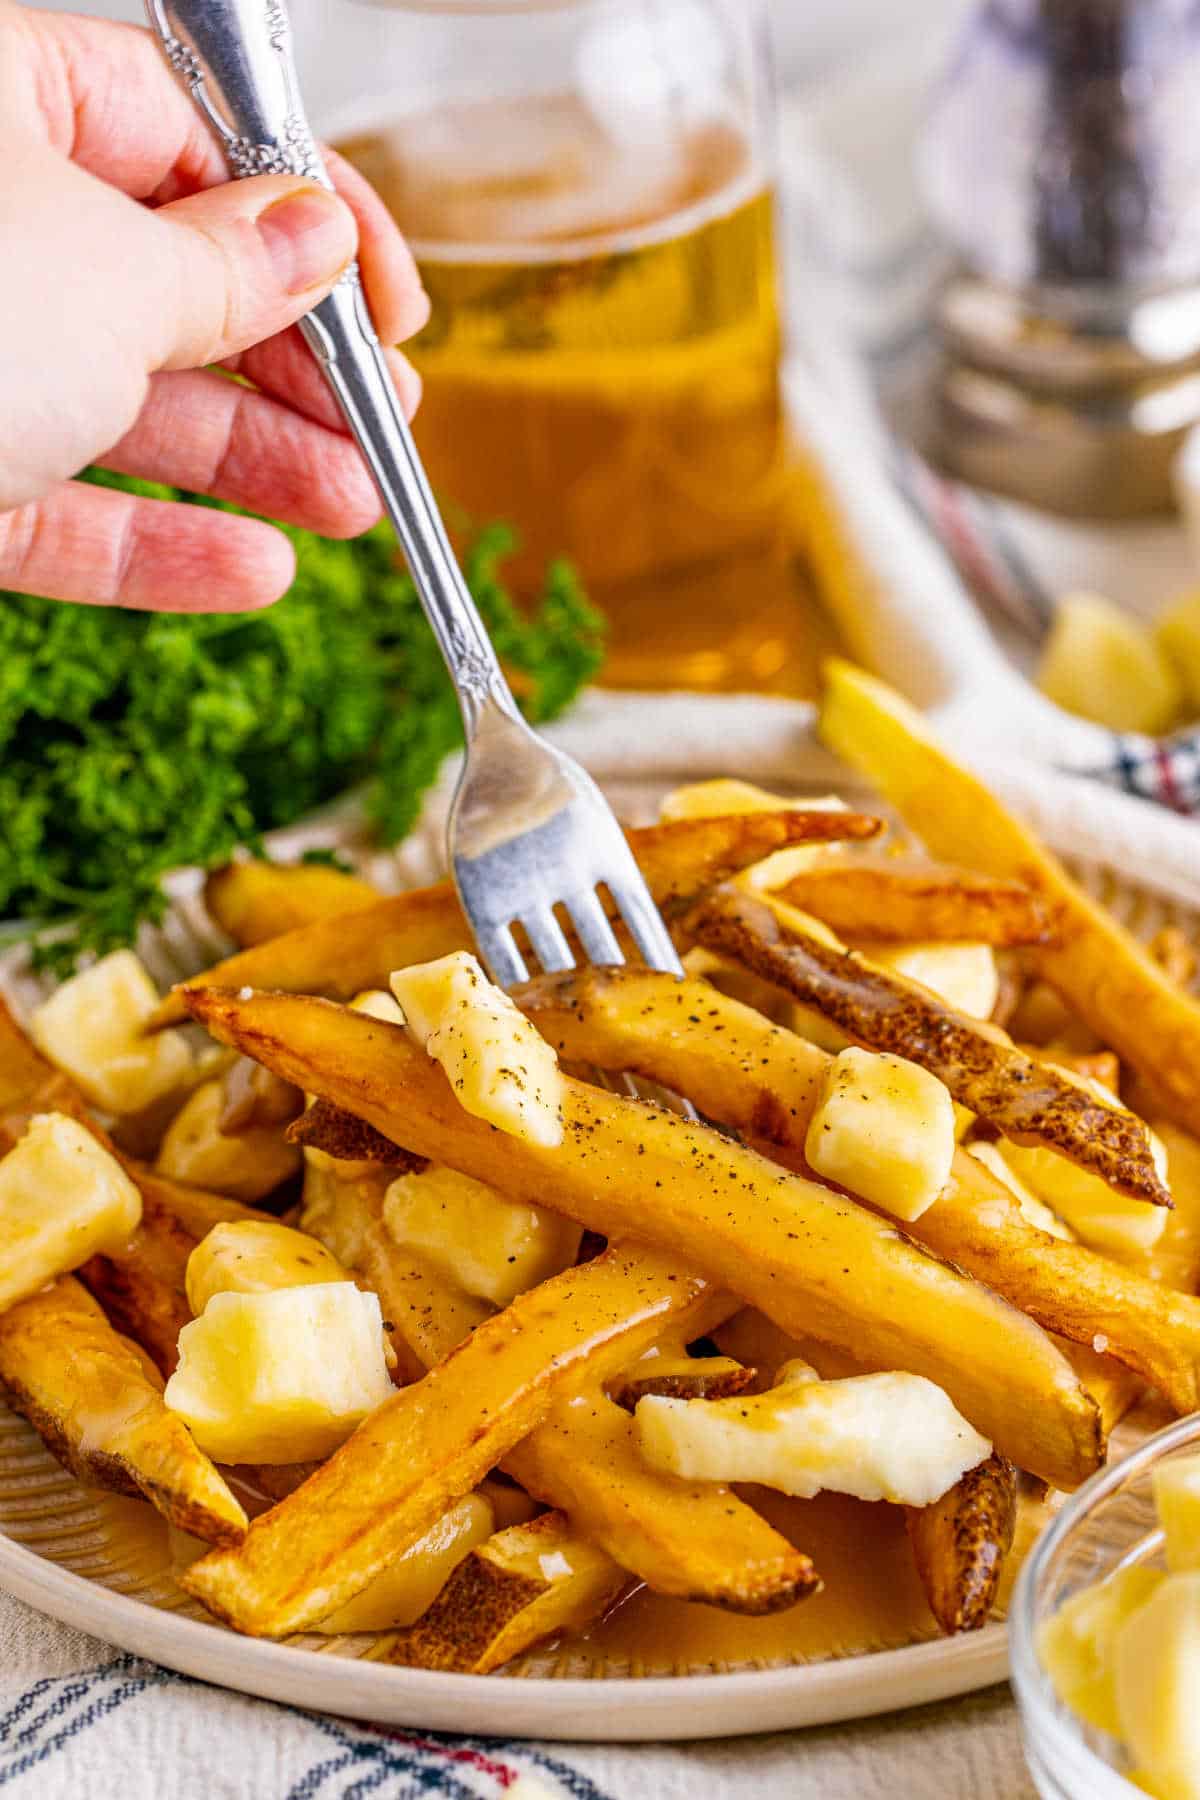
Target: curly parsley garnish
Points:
(134, 743)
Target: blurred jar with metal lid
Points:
(587, 187)
(1062, 162)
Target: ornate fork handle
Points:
(235, 57)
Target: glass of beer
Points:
(587, 188)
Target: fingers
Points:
(100, 547)
(201, 431)
(236, 264)
(104, 95)
(399, 304)
(285, 367)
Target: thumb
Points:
(236, 264)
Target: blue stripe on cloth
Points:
(366, 1758)
(394, 1757)
(108, 1702)
(366, 1783)
(577, 1784)
(1167, 771)
(29, 1698)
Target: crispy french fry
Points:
(696, 1542)
(337, 1133)
(1175, 955)
(961, 1541)
(813, 1261)
(342, 956)
(90, 1395)
(692, 1540)
(1093, 1065)
(524, 1584)
(29, 1081)
(1115, 985)
(682, 1378)
(433, 1441)
(1030, 1102)
(918, 902)
(1113, 1385)
(253, 900)
(763, 1081)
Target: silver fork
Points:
(529, 831)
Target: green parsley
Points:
(135, 743)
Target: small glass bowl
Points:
(1109, 1524)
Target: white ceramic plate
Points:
(84, 1560)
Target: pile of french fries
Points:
(400, 1345)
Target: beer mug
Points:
(586, 185)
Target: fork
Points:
(530, 833)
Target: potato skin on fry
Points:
(919, 903)
(1030, 1102)
(342, 956)
(338, 1133)
(1114, 985)
(815, 1262)
(92, 1399)
(961, 1541)
(523, 1584)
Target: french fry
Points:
(433, 1441)
(697, 1542)
(253, 901)
(1175, 955)
(337, 1133)
(763, 1081)
(91, 1397)
(342, 956)
(29, 1081)
(918, 902)
(520, 1586)
(1115, 986)
(813, 1261)
(1093, 1065)
(1030, 1102)
(692, 1540)
(960, 1543)
(682, 1377)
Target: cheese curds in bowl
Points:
(1103, 1615)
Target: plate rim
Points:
(569, 1709)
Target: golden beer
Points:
(601, 369)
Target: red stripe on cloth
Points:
(971, 553)
(1166, 776)
(505, 1773)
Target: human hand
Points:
(131, 266)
